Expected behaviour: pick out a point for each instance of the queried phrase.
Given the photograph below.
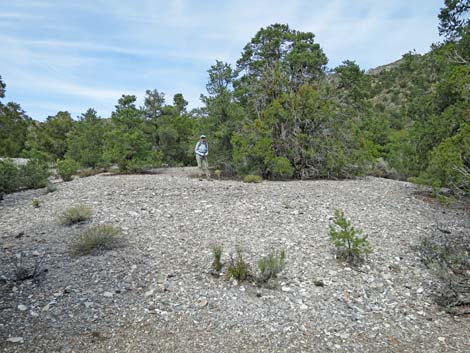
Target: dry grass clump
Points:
(102, 237)
(77, 214)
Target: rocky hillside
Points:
(154, 291)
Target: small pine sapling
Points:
(350, 245)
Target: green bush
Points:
(282, 169)
(77, 214)
(350, 246)
(36, 203)
(270, 266)
(34, 174)
(252, 179)
(238, 269)
(9, 177)
(217, 250)
(66, 168)
(101, 237)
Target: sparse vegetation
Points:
(27, 271)
(447, 256)
(350, 246)
(252, 179)
(76, 214)
(36, 203)
(102, 237)
(85, 173)
(270, 266)
(238, 269)
(217, 250)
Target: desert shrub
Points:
(67, 168)
(238, 269)
(102, 237)
(446, 255)
(252, 179)
(34, 174)
(270, 266)
(36, 203)
(85, 173)
(281, 168)
(9, 175)
(217, 250)
(77, 214)
(350, 246)
(29, 269)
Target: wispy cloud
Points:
(81, 54)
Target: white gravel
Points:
(155, 294)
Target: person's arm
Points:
(207, 148)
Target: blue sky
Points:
(72, 55)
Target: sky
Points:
(74, 55)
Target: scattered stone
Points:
(15, 339)
(22, 307)
(108, 294)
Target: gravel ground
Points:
(155, 293)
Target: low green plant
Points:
(102, 237)
(238, 269)
(217, 250)
(270, 266)
(218, 173)
(350, 245)
(252, 179)
(77, 214)
(36, 203)
(66, 168)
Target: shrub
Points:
(238, 268)
(350, 246)
(77, 214)
(66, 168)
(8, 177)
(252, 179)
(85, 173)
(270, 266)
(36, 203)
(101, 237)
(34, 174)
(29, 270)
(217, 250)
(446, 255)
(282, 169)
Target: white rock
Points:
(22, 307)
(15, 339)
(420, 290)
(286, 289)
(108, 294)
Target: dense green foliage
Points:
(32, 175)
(66, 168)
(280, 113)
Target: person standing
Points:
(202, 151)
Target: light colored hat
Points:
(202, 137)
